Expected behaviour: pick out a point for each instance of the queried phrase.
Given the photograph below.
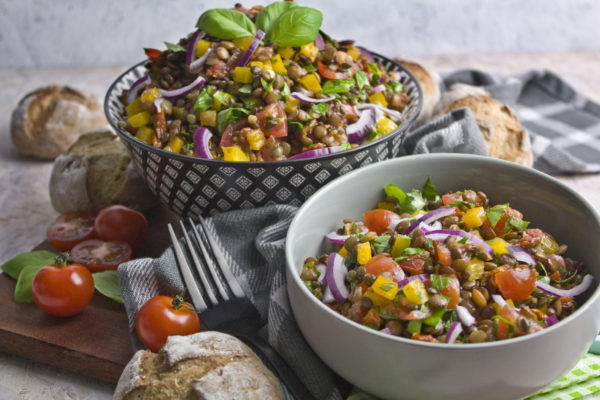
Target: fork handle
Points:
(286, 374)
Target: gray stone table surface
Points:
(26, 212)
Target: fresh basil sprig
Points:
(227, 24)
(296, 27)
(228, 117)
(107, 283)
(267, 17)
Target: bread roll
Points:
(205, 365)
(499, 126)
(97, 171)
(430, 84)
(49, 120)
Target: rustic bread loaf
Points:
(97, 171)
(205, 365)
(430, 84)
(48, 120)
(499, 126)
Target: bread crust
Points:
(430, 84)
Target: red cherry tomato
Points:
(452, 292)
(329, 74)
(272, 120)
(62, 291)
(70, 229)
(378, 220)
(414, 265)
(516, 283)
(382, 263)
(449, 198)
(164, 316)
(99, 256)
(120, 223)
(152, 53)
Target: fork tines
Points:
(207, 284)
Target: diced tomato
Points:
(499, 228)
(349, 112)
(267, 150)
(452, 292)
(414, 265)
(424, 338)
(273, 112)
(382, 263)
(516, 283)
(372, 318)
(402, 314)
(531, 238)
(329, 74)
(152, 53)
(227, 136)
(510, 314)
(450, 198)
(379, 220)
(219, 69)
(443, 254)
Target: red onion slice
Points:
(360, 129)
(392, 113)
(383, 79)
(201, 139)
(197, 64)
(190, 54)
(366, 54)
(328, 296)
(465, 316)
(319, 42)
(421, 277)
(454, 331)
(252, 48)
(573, 292)
(307, 99)
(378, 88)
(136, 87)
(177, 93)
(335, 277)
(322, 268)
(386, 330)
(521, 254)
(158, 104)
(430, 217)
(551, 320)
(316, 152)
(442, 234)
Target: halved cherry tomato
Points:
(70, 229)
(382, 263)
(510, 314)
(227, 136)
(414, 265)
(531, 238)
(443, 254)
(272, 120)
(120, 223)
(452, 292)
(516, 283)
(329, 74)
(98, 256)
(499, 228)
(163, 316)
(449, 198)
(152, 53)
(379, 220)
(62, 289)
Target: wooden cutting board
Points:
(96, 342)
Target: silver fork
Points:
(226, 309)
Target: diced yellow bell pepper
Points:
(286, 52)
(149, 95)
(277, 64)
(415, 292)
(384, 205)
(291, 105)
(201, 47)
(475, 269)
(309, 51)
(139, 119)
(311, 82)
(548, 244)
(208, 118)
(234, 153)
(363, 253)
(343, 252)
(353, 52)
(498, 245)
(378, 98)
(510, 303)
(145, 134)
(257, 64)
(497, 307)
(386, 125)
(243, 43)
(385, 287)
(135, 107)
(176, 144)
(400, 243)
(474, 217)
(256, 139)
(242, 75)
(376, 299)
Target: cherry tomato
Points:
(70, 229)
(152, 53)
(379, 220)
(164, 316)
(443, 254)
(62, 290)
(499, 227)
(120, 223)
(449, 198)
(99, 256)
(452, 292)
(414, 265)
(516, 283)
(273, 112)
(219, 69)
(227, 136)
(382, 263)
(329, 74)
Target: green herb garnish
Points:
(225, 23)
(296, 26)
(382, 243)
(336, 86)
(361, 79)
(439, 282)
(320, 108)
(495, 214)
(429, 191)
(345, 146)
(205, 100)
(387, 286)
(175, 48)
(411, 251)
(228, 117)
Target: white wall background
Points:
(81, 33)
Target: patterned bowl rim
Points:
(345, 153)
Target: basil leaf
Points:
(387, 286)
(23, 288)
(285, 92)
(204, 101)
(267, 17)
(382, 243)
(374, 73)
(266, 85)
(222, 97)
(373, 134)
(15, 265)
(449, 317)
(227, 24)
(251, 103)
(397, 87)
(429, 191)
(518, 224)
(435, 317)
(439, 282)
(175, 48)
(414, 201)
(463, 240)
(228, 117)
(187, 147)
(335, 86)
(296, 26)
(361, 79)
(496, 213)
(107, 283)
(411, 251)
(309, 68)
(297, 124)
(394, 191)
(245, 90)
(345, 146)
(320, 108)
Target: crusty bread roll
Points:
(499, 126)
(97, 171)
(430, 83)
(49, 120)
(205, 365)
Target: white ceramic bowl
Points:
(398, 368)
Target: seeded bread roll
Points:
(430, 84)
(97, 171)
(205, 365)
(49, 120)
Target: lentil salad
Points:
(262, 91)
(448, 268)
